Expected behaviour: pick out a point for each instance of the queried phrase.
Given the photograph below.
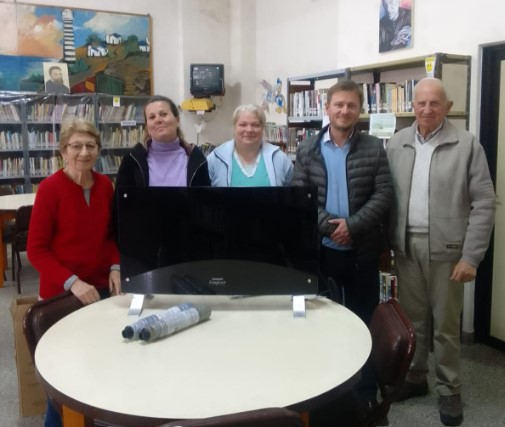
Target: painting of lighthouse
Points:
(68, 35)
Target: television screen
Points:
(206, 80)
(209, 240)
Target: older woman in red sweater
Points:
(70, 241)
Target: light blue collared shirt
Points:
(337, 197)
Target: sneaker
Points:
(409, 390)
(451, 410)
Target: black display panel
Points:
(228, 241)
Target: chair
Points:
(393, 346)
(8, 227)
(41, 315)
(19, 240)
(268, 417)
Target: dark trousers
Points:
(355, 280)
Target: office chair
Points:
(393, 346)
(19, 240)
(268, 417)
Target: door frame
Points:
(492, 55)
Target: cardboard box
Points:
(32, 397)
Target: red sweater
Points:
(69, 237)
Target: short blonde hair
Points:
(72, 126)
(249, 108)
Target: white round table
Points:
(251, 354)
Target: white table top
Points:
(251, 354)
(14, 201)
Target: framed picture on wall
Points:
(395, 24)
(56, 77)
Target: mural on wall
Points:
(104, 52)
(395, 24)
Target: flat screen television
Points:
(210, 240)
(206, 80)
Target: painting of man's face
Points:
(56, 77)
(56, 74)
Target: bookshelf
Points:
(29, 133)
(11, 141)
(393, 80)
(306, 99)
(389, 86)
(121, 125)
(41, 140)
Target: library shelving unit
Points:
(41, 140)
(30, 125)
(388, 86)
(306, 99)
(121, 125)
(12, 170)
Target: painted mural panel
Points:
(104, 51)
(8, 40)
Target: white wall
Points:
(266, 39)
(305, 36)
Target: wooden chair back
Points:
(268, 417)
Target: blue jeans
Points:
(53, 418)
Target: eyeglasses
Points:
(77, 148)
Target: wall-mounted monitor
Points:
(219, 240)
(206, 80)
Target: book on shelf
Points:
(14, 112)
(386, 97)
(42, 166)
(276, 133)
(10, 140)
(121, 137)
(388, 286)
(308, 103)
(296, 136)
(109, 163)
(42, 139)
(12, 167)
(9, 112)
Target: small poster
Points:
(382, 125)
(429, 64)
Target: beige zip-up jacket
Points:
(461, 195)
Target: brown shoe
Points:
(409, 390)
(451, 410)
